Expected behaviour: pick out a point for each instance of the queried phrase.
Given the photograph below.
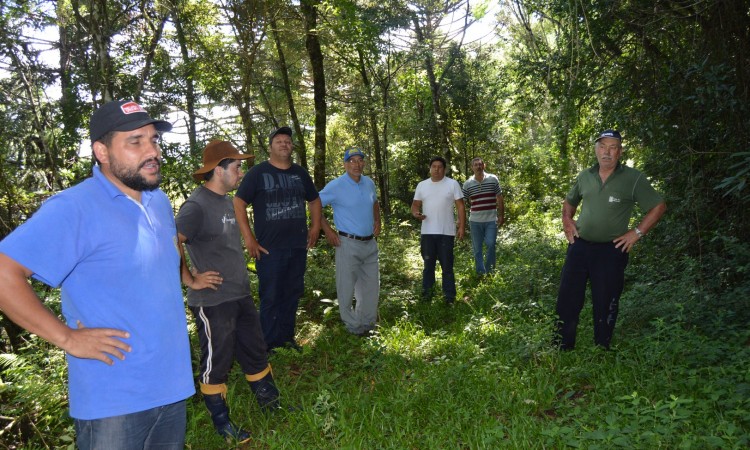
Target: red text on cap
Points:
(131, 107)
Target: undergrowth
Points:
(480, 374)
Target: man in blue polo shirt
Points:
(600, 240)
(356, 215)
(111, 243)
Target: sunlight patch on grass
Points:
(310, 332)
(410, 261)
(482, 325)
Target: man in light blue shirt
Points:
(356, 215)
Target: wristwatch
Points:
(638, 232)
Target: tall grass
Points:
(482, 374)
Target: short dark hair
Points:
(224, 163)
(106, 139)
(438, 158)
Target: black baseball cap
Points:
(122, 115)
(277, 131)
(614, 134)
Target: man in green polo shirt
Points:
(599, 241)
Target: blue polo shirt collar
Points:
(351, 180)
(113, 191)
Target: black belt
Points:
(357, 238)
(594, 243)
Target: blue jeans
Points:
(162, 427)
(483, 234)
(438, 248)
(281, 283)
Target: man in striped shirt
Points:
(487, 213)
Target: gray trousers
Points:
(358, 276)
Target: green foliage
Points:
(34, 398)
(481, 374)
(736, 182)
(704, 293)
(583, 67)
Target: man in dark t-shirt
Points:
(219, 289)
(278, 189)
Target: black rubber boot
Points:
(266, 393)
(219, 410)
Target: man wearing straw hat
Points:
(219, 289)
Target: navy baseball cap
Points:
(277, 131)
(614, 134)
(122, 115)
(352, 151)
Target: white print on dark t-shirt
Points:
(285, 195)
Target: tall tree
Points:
(361, 45)
(663, 72)
(434, 38)
(188, 73)
(309, 10)
(249, 23)
(300, 147)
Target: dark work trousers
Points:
(438, 248)
(604, 265)
(281, 283)
(227, 331)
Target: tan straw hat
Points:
(214, 153)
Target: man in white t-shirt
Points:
(433, 205)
